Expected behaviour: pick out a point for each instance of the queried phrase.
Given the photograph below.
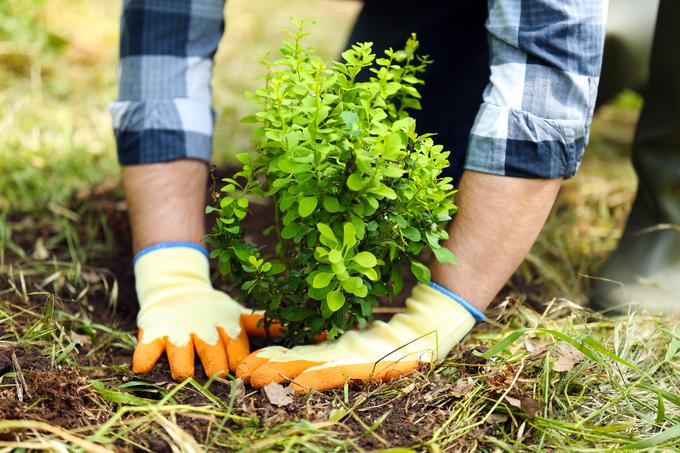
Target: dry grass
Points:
(543, 375)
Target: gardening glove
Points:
(181, 312)
(434, 321)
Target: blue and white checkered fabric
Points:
(538, 105)
(533, 122)
(164, 108)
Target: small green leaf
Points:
(248, 284)
(335, 256)
(327, 232)
(331, 204)
(351, 119)
(392, 171)
(242, 252)
(359, 226)
(420, 271)
(392, 87)
(277, 268)
(306, 206)
(349, 238)
(355, 182)
(335, 300)
(365, 259)
(290, 230)
(411, 233)
(322, 279)
(296, 313)
(244, 158)
(339, 268)
(392, 147)
(370, 273)
(445, 256)
(383, 191)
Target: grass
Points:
(543, 374)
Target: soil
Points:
(61, 395)
(54, 394)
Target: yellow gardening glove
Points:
(180, 312)
(434, 321)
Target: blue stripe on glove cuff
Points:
(168, 245)
(478, 315)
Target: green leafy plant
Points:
(356, 190)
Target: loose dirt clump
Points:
(56, 394)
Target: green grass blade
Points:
(504, 343)
(670, 434)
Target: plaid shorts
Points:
(533, 121)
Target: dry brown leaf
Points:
(40, 252)
(81, 340)
(494, 419)
(537, 347)
(513, 402)
(530, 406)
(409, 388)
(566, 356)
(462, 387)
(279, 395)
(91, 277)
(535, 344)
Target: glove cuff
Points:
(478, 315)
(170, 265)
(167, 245)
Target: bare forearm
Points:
(498, 222)
(166, 201)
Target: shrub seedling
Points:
(356, 190)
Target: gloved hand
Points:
(181, 312)
(434, 321)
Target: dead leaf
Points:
(80, 340)
(566, 356)
(462, 387)
(514, 402)
(530, 406)
(279, 395)
(538, 353)
(409, 388)
(40, 252)
(537, 347)
(495, 419)
(91, 277)
(237, 389)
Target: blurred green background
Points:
(57, 76)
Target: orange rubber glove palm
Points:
(434, 321)
(181, 313)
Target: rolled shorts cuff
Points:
(162, 130)
(511, 142)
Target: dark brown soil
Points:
(61, 394)
(52, 393)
